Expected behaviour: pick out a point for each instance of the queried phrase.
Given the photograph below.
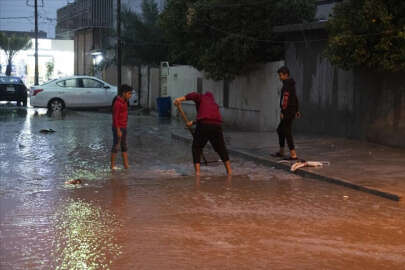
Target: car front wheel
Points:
(56, 105)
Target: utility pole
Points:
(36, 42)
(118, 44)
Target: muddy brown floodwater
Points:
(157, 215)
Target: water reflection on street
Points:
(157, 215)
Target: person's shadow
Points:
(57, 115)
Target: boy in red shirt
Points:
(119, 125)
(209, 128)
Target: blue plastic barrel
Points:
(164, 106)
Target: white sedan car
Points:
(75, 92)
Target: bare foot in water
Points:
(74, 182)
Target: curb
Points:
(300, 172)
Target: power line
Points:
(48, 18)
(16, 18)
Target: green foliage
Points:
(11, 45)
(143, 41)
(368, 33)
(227, 38)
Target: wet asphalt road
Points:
(157, 215)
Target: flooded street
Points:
(157, 215)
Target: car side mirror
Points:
(106, 87)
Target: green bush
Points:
(227, 38)
(368, 33)
(142, 37)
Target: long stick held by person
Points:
(209, 128)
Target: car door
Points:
(69, 92)
(95, 92)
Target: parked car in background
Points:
(75, 92)
(13, 89)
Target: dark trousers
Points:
(213, 134)
(284, 131)
(117, 142)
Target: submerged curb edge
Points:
(300, 172)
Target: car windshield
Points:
(6, 80)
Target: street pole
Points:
(118, 44)
(36, 42)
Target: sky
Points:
(18, 15)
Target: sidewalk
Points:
(368, 167)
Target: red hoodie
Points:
(207, 109)
(120, 113)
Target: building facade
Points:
(55, 59)
(91, 23)
(88, 23)
(84, 14)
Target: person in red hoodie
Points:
(119, 124)
(209, 128)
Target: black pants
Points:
(284, 131)
(213, 134)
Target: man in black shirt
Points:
(289, 111)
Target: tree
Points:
(226, 38)
(368, 33)
(143, 40)
(11, 45)
(50, 66)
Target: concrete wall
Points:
(359, 104)
(154, 87)
(144, 97)
(149, 85)
(182, 80)
(253, 100)
(83, 44)
(129, 75)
